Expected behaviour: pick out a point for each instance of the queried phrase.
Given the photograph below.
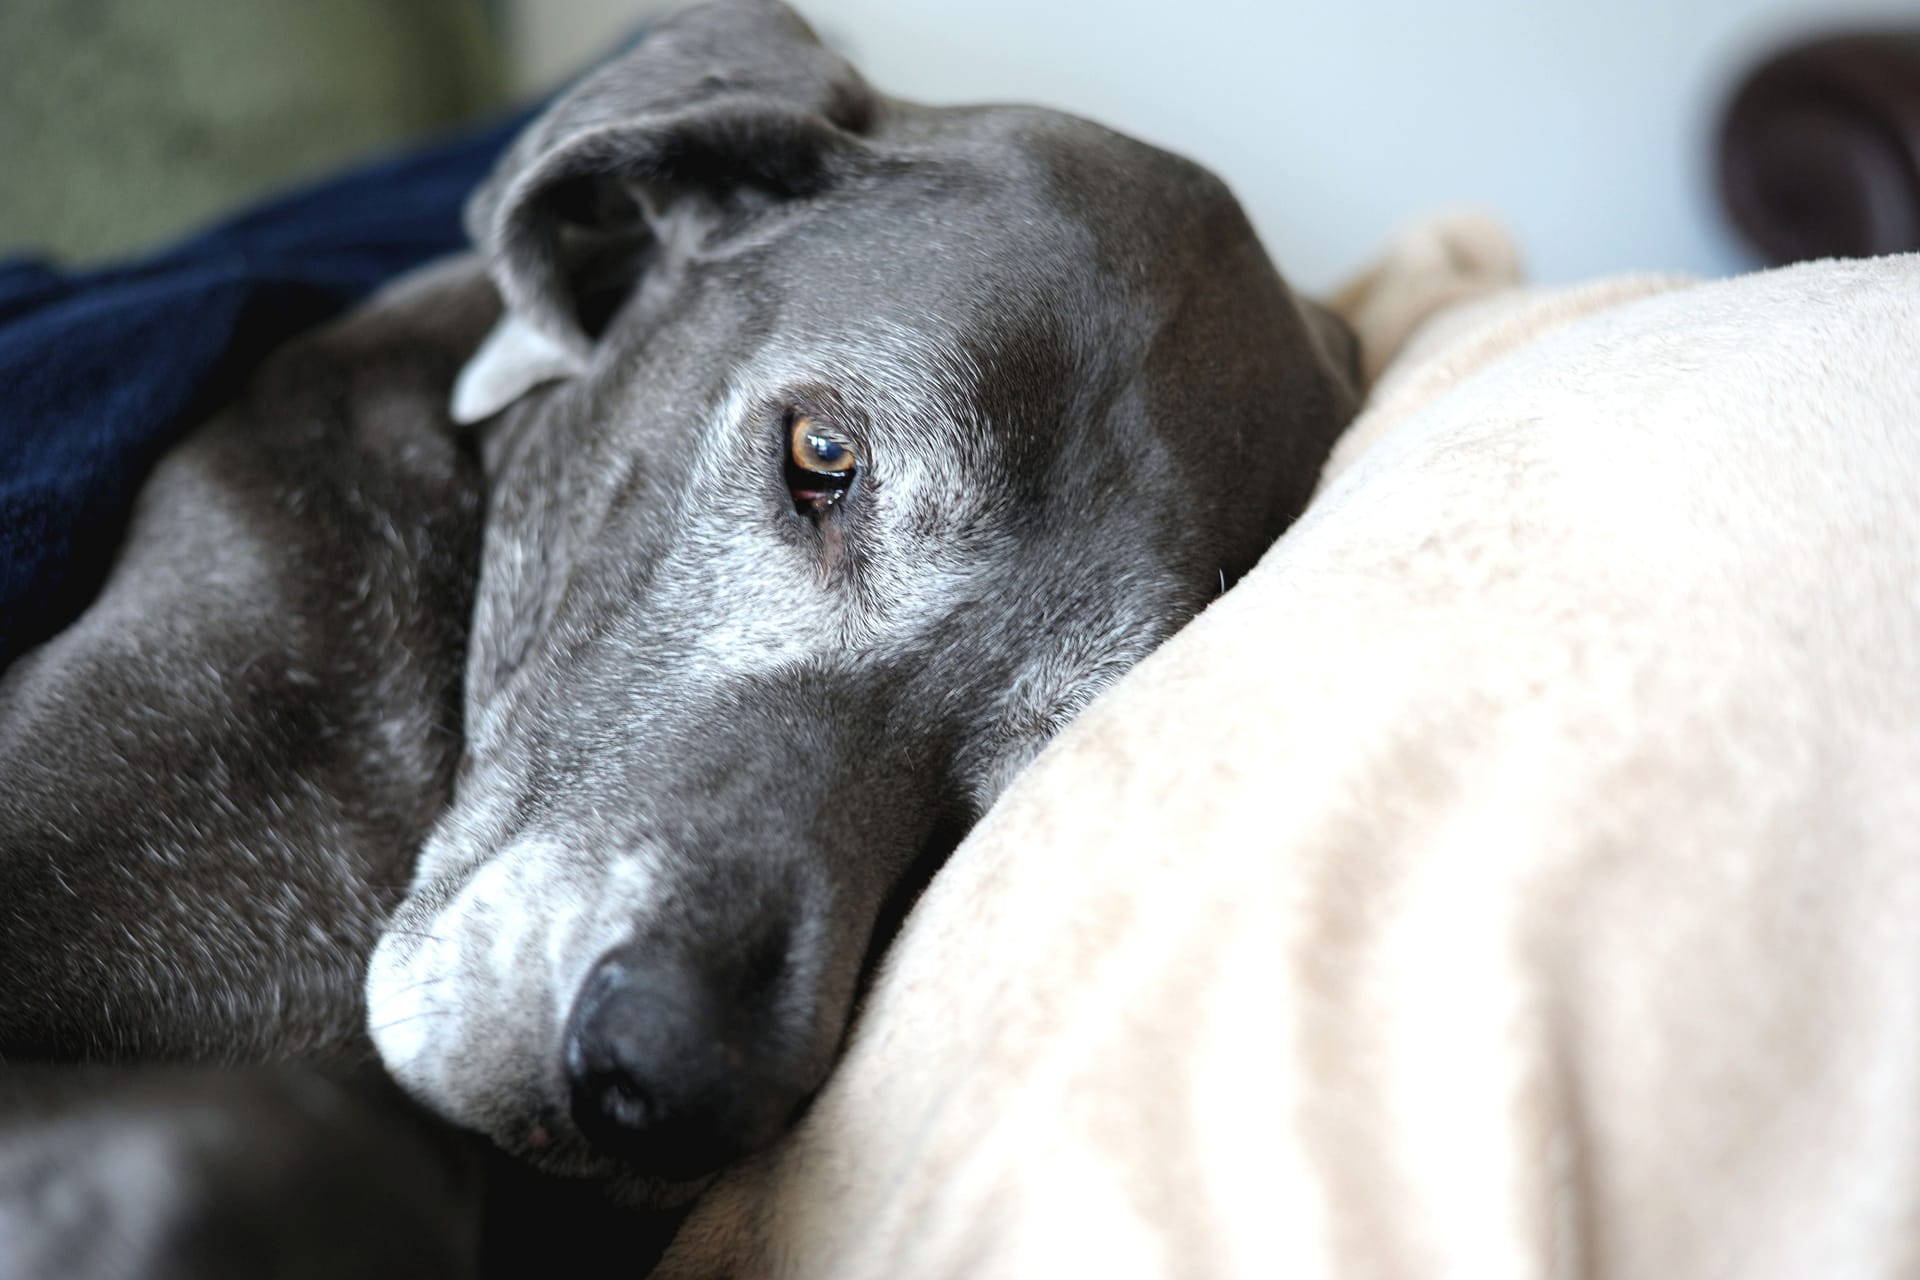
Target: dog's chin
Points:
(540, 1139)
(568, 1157)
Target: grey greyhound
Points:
(558, 676)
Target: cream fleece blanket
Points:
(1518, 874)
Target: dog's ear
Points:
(1336, 340)
(716, 114)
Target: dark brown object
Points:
(1819, 152)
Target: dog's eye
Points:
(818, 453)
(819, 467)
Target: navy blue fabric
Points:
(101, 369)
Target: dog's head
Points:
(841, 451)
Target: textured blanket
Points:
(1517, 874)
(100, 370)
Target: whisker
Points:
(427, 935)
(412, 1017)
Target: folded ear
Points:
(713, 115)
(514, 359)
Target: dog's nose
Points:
(670, 1071)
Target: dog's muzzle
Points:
(656, 972)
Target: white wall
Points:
(1587, 126)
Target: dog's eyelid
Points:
(830, 415)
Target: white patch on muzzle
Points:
(467, 1001)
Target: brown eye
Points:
(818, 453)
(819, 467)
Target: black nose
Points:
(674, 1070)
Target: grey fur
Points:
(698, 725)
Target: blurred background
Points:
(1590, 127)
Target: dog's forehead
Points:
(1010, 259)
(1118, 187)
(1013, 221)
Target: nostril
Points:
(619, 1099)
(609, 1070)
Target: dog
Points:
(558, 677)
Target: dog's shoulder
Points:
(236, 748)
